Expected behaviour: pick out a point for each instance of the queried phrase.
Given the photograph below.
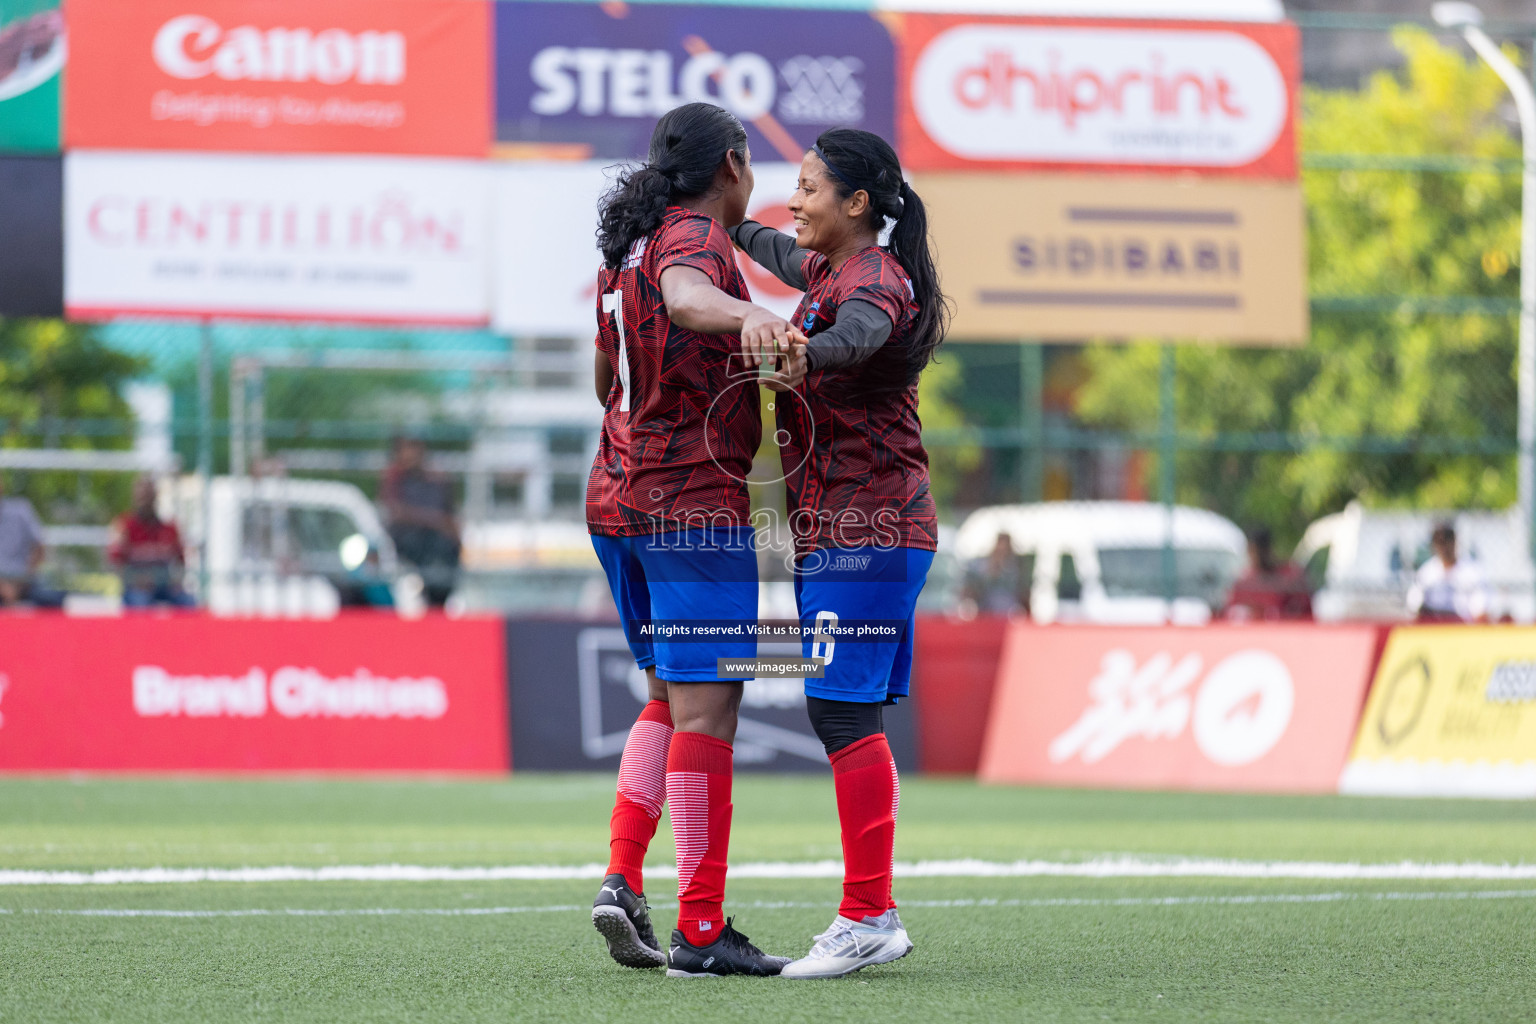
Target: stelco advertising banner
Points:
(31, 236)
(356, 76)
(194, 693)
(1075, 258)
(546, 249)
(33, 47)
(367, 239)
(590, 80)
(1217, 98)
(1452, 713)
(1223, 708)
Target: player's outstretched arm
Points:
(693, 301)
(772, 250)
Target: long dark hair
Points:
(862, 160)
(687, 146)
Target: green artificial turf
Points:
(1000, 949)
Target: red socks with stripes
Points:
(642, 791)
(699, 800)
(868, 792)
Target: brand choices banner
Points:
(193, 693)
(1452, 713)
(370, 239)
(1235, 708)
(343, 76)
(546, 255)
(33, 45)
(1101, 94)
(593, 78)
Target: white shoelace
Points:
(829, 939)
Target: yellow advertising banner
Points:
(1081, 257)
(1452, 711)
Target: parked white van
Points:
(1360, 562)
(1102, 561)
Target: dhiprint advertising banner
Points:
(1267, 708)
(33, 48)
(1452, 713)
(194, 693)
(365, 239)
(352, 76)
(1082, 257)
(590, 80)
(1217, 98)
(546, 243)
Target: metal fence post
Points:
(205, 452)
(1031, 421)
(1167, 451)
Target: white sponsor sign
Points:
(369, 239)
(292, 692)
(546, 244)
(1238, 713)
(1099, 95)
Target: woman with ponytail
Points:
(860, 508)
(668, 512)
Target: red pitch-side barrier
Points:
(954, 667)
(194, 693)
(1226, 708)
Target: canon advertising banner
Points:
(590, 80)
(1268, 708)
(546, 244)
(195, 693)
(354, 76)
(362, 239)
(1217, 98)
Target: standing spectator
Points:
(1269, 589)
(420, 507)
(1448, 589)
(147, 552)
(998, 584)
(21, 548)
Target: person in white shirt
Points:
(1446, 589)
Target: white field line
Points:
(1102, 867)
(571, 908)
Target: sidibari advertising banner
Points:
(1224, 708)
(590, 80)
(368, 239)
(1080, 257)
(1452, 712)
(33, 47)
(31, 236)
(575, 692)
(1217, 98)
(195, 693)
(546, 250)
(344, 76)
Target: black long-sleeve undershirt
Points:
(861, 327)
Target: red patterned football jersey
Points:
(862, 479)
(682, 421)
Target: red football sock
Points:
(642, 791)
(864, 775)
(699, 800)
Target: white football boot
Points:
(848, 946)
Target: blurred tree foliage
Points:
(938, 394)
(1403, 375)
(60, 387)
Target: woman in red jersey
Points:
(860, 509)
(668, 511)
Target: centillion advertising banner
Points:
(1084, 257)
(1452, 712)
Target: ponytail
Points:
(862, 160)
(687, 146)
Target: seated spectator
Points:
(420, 508)
(998, 584)
(147, 552)
(21, 548)
(1448, 589)
(1268, 589)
